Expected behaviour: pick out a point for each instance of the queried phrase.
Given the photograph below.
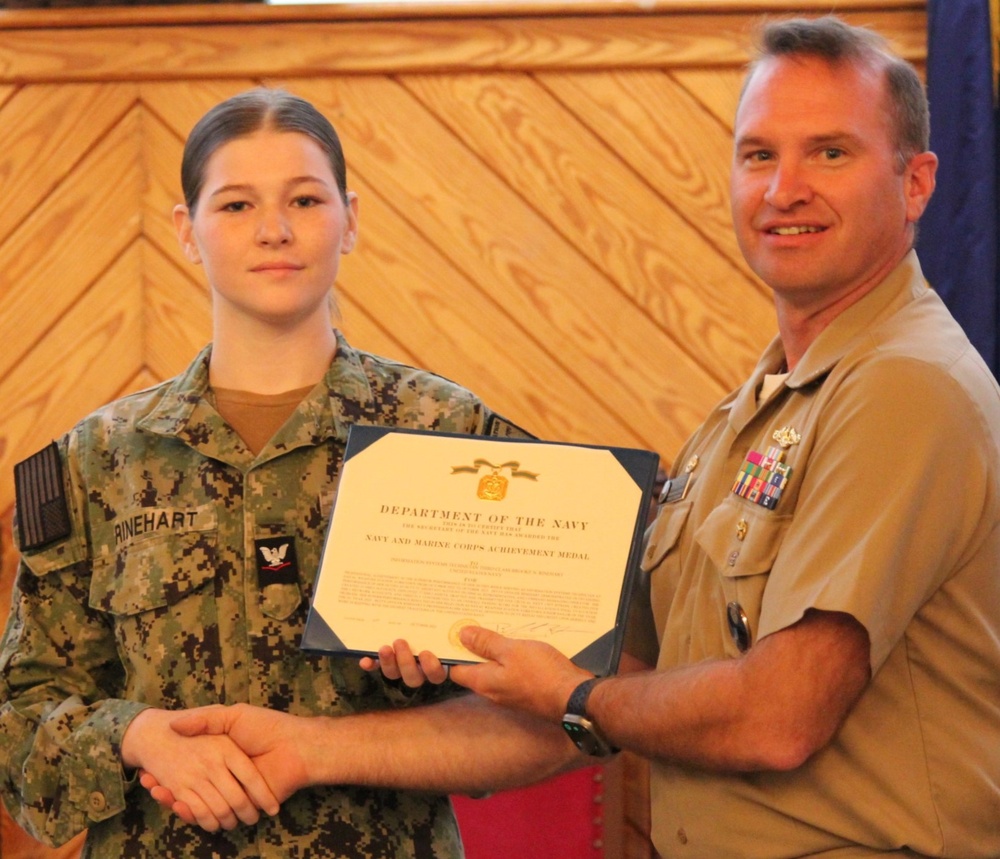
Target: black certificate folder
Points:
(432, 532)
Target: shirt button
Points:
(97, 802)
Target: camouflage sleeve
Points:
(60, 722)
(60, 727)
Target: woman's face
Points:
(269, 227)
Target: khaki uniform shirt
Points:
(157, 597)
(890, 426)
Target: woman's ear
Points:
(185, 234)
(350, 236)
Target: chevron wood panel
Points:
(508, 249)
(73, 232)
(47, 131)
(176, 317)
(669, 135)
(544, 203)
(608, 210)
(92, 352)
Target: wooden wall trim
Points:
(234, 41)
(77, 17)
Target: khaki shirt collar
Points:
(903, 284)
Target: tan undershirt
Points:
(256, 417)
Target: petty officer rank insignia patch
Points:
(276, 561)
(762, 477)
(42, 509)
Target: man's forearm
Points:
(464, 745)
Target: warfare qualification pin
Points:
(786, 437)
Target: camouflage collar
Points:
(343, 397)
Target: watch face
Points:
(579, 731)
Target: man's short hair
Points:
(830, 39)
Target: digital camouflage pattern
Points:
(155, 599)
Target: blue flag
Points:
(958, 234)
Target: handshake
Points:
(221, 766)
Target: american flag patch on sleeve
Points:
(42, 510)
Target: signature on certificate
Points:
(536, 629)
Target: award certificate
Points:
(431, 532)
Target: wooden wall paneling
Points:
(140, 381)
(178, 308)
(668, 136)
(161, 148)
(606, 207)
(512, 253)
(86, 358)
(366, 329)
(73, 234)
(717, 91)
(180, 103)
(45, 131)
(177, 314)
(453, 326)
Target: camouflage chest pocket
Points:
(159, 590)
(742, 541)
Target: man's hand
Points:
(397, 662)
(216, 782)
(271, 740)
(531, 676)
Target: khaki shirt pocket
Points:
(742, 541)
(659, 569)
(664, 533)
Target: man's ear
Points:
(185, 234)
(920, 180)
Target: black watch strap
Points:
(577, 704)
(580, 728)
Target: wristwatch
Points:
(581, 729)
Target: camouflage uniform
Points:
(154, 598)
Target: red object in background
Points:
(562, 818)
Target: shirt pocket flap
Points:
(154, 572)
(664, 533)
(739, 540)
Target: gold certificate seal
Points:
(457, 627)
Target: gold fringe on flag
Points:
(995, 45)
